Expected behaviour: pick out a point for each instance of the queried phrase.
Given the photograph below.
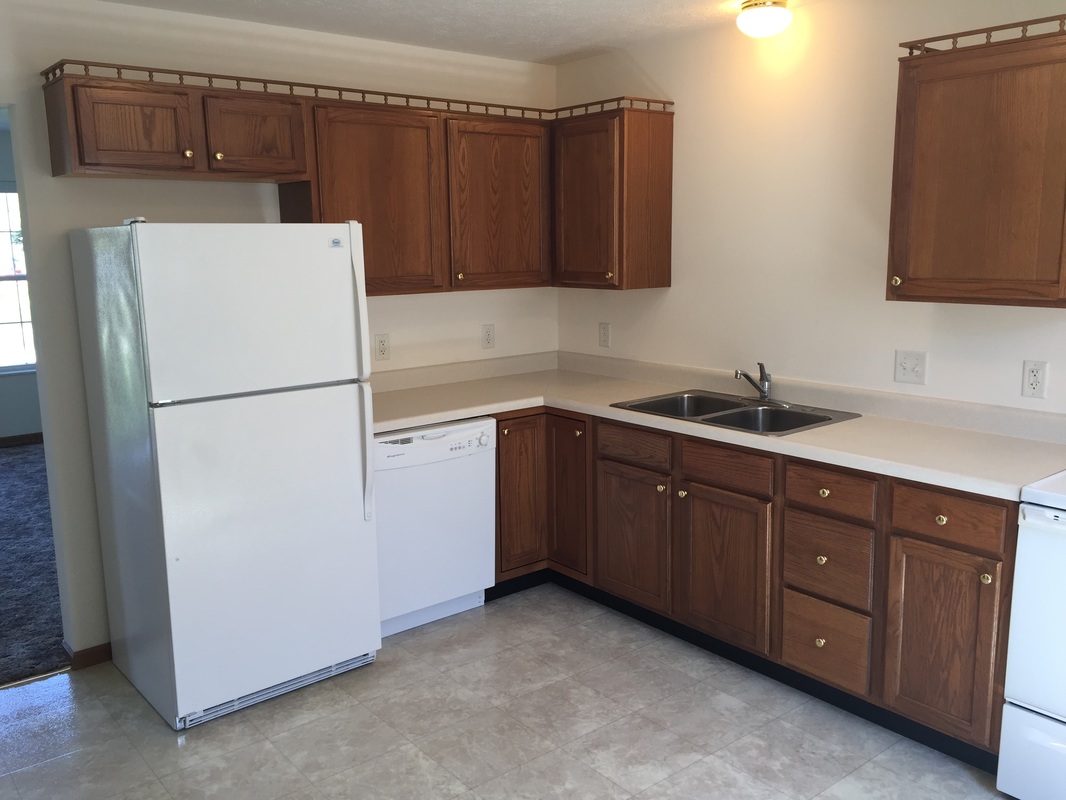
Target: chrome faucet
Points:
(763, 384)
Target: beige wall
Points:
(36, 33)
(782, 178)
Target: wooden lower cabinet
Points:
(721, 565)
(568, 537)
(633, 534)
(827, 641)
(522, 503)
(942, 627)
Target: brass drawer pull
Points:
(610, 275)
(941, 519)
(823, 493)
(505, 431)
(821, 560)
(819, 642)
(460, 276)
(660, 488)
(578, 433)
(682, 493)
(896, 280)
(219, 156)
(187, 153)
(986, 579)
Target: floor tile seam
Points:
(837, 747)
(507, 700)
(74, 752)
(899, 772)
(602, 775)
(271, 735)
(909, 780)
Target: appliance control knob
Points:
(483, 440)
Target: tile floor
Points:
(539, 695)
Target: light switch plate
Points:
(910, 366)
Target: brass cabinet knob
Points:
(822, 561)
(505, 431)
(219, 156)
(660, 488)
(610, 275)
(896, 280)
(986, 579)
(460, 276)
(682, 493)
(941, 519)
(187, 153)
(819, 642)
(823, 493)
(578, 433)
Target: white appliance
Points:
(436, 502)
(231, 427)
(1032, 755)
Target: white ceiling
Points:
(547, 31)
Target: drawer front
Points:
(749, 473)
(957, 520)
(827, 641)
(829, 558)
(636, 445)
(831, 491)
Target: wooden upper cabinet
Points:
(142, 128)
(255, 135)
(131, 128)
(613, 189)
(979, 188)
(498, 182)
(385, 169)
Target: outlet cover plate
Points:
(910, 366)
(605, 334)
(1034, 379)
(488, 336)
(382, 348)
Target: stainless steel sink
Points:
(687, 404)
(768, 418)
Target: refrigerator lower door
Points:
(271, 564)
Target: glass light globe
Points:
(764, 18)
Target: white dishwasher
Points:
(436, 512)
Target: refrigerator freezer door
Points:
(233, 309)
(271, 566)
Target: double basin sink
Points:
(766, 417)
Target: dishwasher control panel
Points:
(434, 443)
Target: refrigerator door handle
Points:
(359, 274)
(367, 445)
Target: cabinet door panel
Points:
(568, 493)
(523, 501)
(255, 135)
(980, 177)
(941, 633)
(588, 201)
(385, 169)
(498, 183)
(722, 565)
(131, 128)
(633, 534)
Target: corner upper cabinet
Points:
(613, 189)
(155, 130)
(498, 181)
(386, 169)
(979, 186)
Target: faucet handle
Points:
(763, 374)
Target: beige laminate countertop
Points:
(983, 463)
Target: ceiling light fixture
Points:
(762, 18)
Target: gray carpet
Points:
(31, 630)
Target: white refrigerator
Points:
(226, 370)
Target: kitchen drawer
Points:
(964, 521)
(636, 445)
(827, 641)
(830, 558)
(831, 491)
(739, 470)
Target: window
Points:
(16, 330)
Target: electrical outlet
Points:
(1034, 379)
(605, 334)
(910, 366)
(488, 336)
(382, 350)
